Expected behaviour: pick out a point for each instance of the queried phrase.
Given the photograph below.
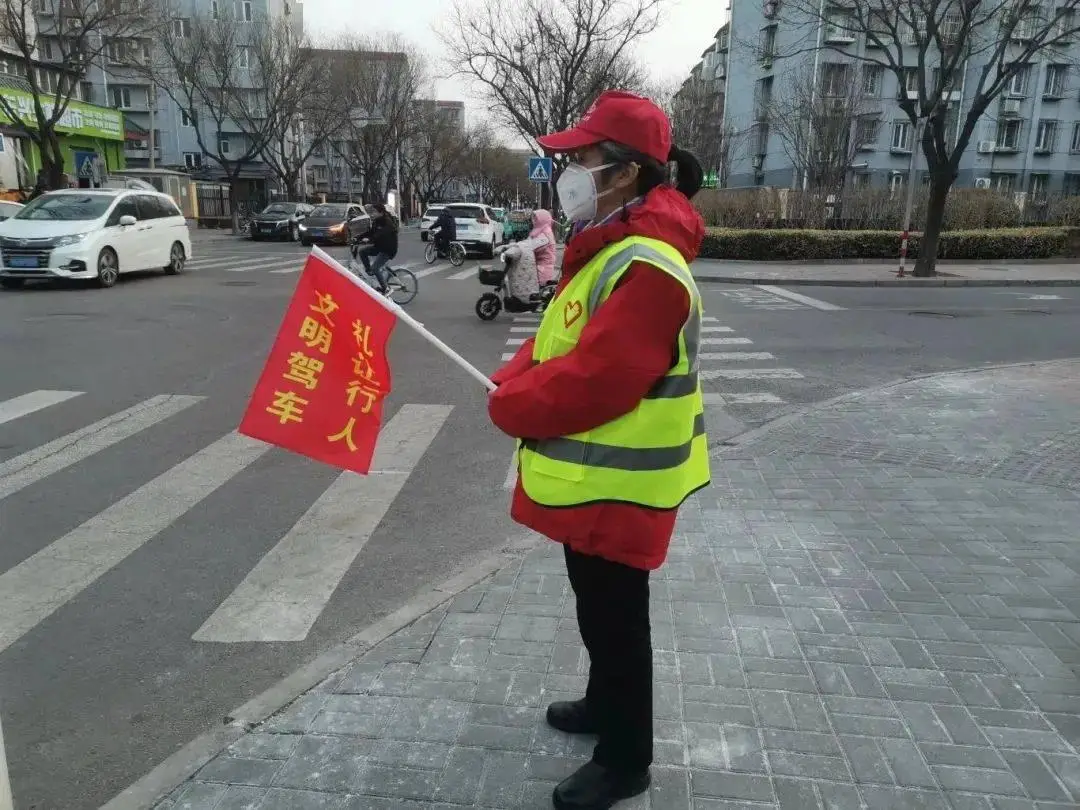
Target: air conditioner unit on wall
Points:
(756, 161)
(986, 147)
(1010, 106)
(982, 182)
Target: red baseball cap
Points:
(625, 118)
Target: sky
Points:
(686, 29)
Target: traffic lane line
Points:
(27, 404)
(799, 298)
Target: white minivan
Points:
(93, 234)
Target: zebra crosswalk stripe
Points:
(27, 404)
(41, 462)
(43, 583)
(463, 274)
(282, 597)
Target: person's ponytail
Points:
(689, 175)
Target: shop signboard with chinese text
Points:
(78, 119)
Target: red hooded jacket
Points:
(626, 346)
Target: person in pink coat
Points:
(542, 239)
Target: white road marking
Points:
(515, 341)
(527, 319)
(531, 330)
(709, 319)
(238, 266)
(735, 356)
(435, 268)
(40, 585)
(799, 298)
(281, 598)
(288, 270)
(41, 462)
(714, 341)
(707, 329)
(511, 472)
(508, 356)
(468, 272)
(716, 398)
(750, 374)
(27, 404)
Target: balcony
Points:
(142, 154)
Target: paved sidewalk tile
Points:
(835, 628)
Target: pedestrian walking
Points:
(607, 408)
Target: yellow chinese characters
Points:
(369, 392)
(346, 435)
(362, 332)
(287, 407)
(324, 305)
(304, 370)
(315, 335)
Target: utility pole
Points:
(153, 138)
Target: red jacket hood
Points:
(664, 214)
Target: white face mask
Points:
(577, 191)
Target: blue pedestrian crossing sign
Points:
(540, 169)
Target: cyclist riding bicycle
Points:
(384, 245)
(444, 231)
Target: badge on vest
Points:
(571, 312)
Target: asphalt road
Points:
(126, 547)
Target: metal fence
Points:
(215, 210)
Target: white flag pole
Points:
(7, 802)
(386, 303)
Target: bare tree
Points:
(434, 156)
(317, 119)
(696, 110)
(234, 79)
(493, 172)
(822, 123)
(540, 63)
(384, 74)
(78, 32)
(930, 46)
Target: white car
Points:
(93, 234)
(477, 228)
(430, 215)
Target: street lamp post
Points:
(910, 202)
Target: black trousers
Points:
(613, 616)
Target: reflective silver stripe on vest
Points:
(633, 459)
(675, 385)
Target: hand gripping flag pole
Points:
(406, 318)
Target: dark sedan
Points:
(335, 224)
(279, 220)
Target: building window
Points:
(86, 92)
(1008, 134)
(185, 119)
(911, 80)
(193, 160)
(768, 43)
(181, 28)
(896, 183)
(215, 9)
(1046, 136)
(1038, 185)
(834, 80)
(837, 26)
(901, 136)
(1004, 182)
(1018, 82)
(121, 97)
(866, 131)
(45, 48)
(223, 146)
(871, 85)
(245, 10)
(243, 57)
(1075, 145)
(1071, 184)
(1054, 85)
(860, 180)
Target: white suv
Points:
(93, 234)
(477, 228)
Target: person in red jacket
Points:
(628, 343)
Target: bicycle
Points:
(457, 253)
(401, 283)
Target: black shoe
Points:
(570, 716)
(594, 787)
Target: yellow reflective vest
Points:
(656, 455)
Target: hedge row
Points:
(788, 245)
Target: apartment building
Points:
(107, 83)
(90, 135)
(1028, 141)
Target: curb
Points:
(890, 282)
(179, 767)
(749, 436)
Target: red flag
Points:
(321, 391)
